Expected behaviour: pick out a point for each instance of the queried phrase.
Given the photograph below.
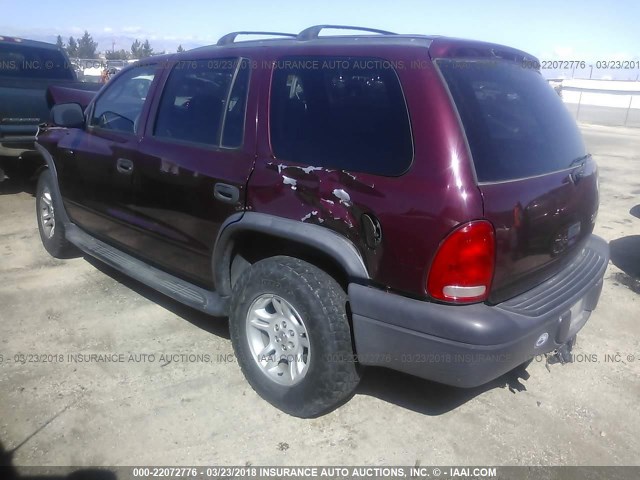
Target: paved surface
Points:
(200, 410)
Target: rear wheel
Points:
(291, 335)
(51, 228)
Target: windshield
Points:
(515, 123)
(22, 61)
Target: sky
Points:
(587, 30)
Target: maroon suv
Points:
(419, 203)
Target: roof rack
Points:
(230, 38)
(314, 32)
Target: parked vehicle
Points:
(419, 203)
(93, 73)
(114, 66)
(27, 69)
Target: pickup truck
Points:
(27, 69)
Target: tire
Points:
(51, 228)
(312, 306)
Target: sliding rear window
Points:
(516, 124)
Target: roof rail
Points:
(314, 32)
(230, 38)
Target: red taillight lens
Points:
(463, 266)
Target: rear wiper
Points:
(579, 160)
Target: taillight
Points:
(462, 269)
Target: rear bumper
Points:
(470, 345)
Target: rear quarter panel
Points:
(415, 210)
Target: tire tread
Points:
(339, 378)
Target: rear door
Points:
(193, 165)
(538, 184)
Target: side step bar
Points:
(176, 288)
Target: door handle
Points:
(124, 166)
(226, 193)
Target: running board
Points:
(176, 288)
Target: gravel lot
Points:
(200, 410)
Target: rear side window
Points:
(516, 124)
(346, 113)
(22, 61)
(204, 102)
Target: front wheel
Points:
(51, 228)
(291, 336)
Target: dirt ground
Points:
(60, 406)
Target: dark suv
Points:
(419, 203)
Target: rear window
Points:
(21, 61)
(341, 112)
(516, 124)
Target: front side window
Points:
(120, 106)
(204, 102)
(341, 112)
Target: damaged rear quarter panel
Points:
(416, 210)
(413, 212)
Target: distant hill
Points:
(121, 41)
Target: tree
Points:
(87, 47)
(60, 42)
(72, 48)
(136, 48)
(180, 49)
(147, 51)
(141, 50)
(117, 55)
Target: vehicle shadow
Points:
(9, 472)
(625, 254)
(18, 184)
(6, 464)
(218, 326)
(430, 398)
(404, 390)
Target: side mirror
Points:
(68, 115)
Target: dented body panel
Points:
(415, 210)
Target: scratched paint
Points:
(344, 197)
(290, 181)
(325, 195)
